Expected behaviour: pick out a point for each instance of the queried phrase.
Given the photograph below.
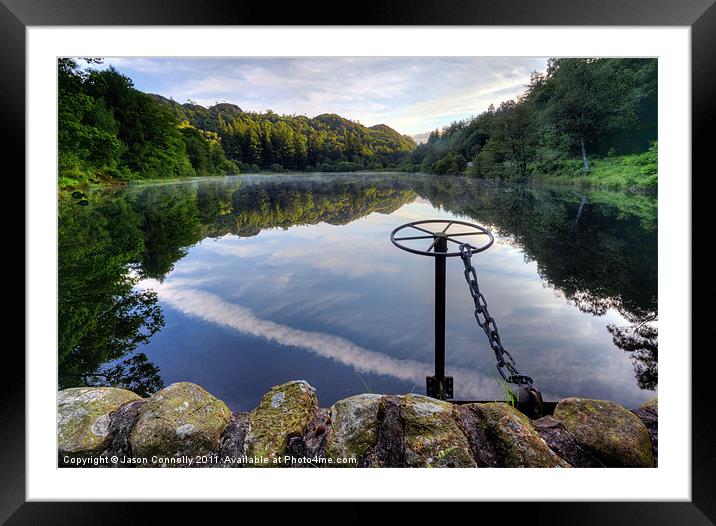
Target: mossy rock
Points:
(354, 427)
(283, 413)
(83, 418)
(182, 419)
(516, 442)
(433, 437)
(616, 436)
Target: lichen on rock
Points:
(181, 419)
(515, 441)
(354, 427)
(433, 437)
(83, 418)
(283, 413)
(616, 436)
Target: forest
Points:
(268, 141)
(588, 120)
(108, 131)
(582, 117)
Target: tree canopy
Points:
(268, 141)
(108, 130)
(578, 107)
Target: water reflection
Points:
(260, 279)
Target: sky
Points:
(411, 95)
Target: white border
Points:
(671, 481)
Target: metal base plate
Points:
(440, 390)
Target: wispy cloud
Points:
(212, 308)
(410, 94)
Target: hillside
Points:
(268, 141)
(111, 132)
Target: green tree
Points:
(582, 100)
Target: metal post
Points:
(440, 246)
(439, 386)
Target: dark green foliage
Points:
(170, 224)
(101, 317)
(107, 130)
(578, 108)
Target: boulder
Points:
(354, 428)
(513, 438)
(120, 427)
(648, 412)
(284, 412)
(432, 435)
(614, 435)
(232, 442)
(563, 443)
(651, 405)
(83, 418)
(182, 419)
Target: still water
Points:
(241, 283)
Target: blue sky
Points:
(412, 95)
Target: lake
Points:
(242, 283)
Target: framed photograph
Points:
(443, 236)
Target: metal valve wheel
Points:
(441, 386)
(438, 231)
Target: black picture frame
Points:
(699, 15)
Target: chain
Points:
(506, 365)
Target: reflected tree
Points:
(137, 374)
(101, 315)
(170, 225)
(640, 340)
(597, 248)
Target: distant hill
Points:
(327, 142)
(421, 138)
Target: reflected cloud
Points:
(212, 308)
(336, 253)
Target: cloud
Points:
(212, 308)
(411, 94)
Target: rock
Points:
(563, 443)
(83, 418)
(232, 442)
(317, 433)
(121, 423)
(182, 419)
(649, 414)
(513, 440)
(284, 412)
(389, 450)
(433, 437)
(483, 450)
(608, 431)
(354, 428)
(651, 406)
